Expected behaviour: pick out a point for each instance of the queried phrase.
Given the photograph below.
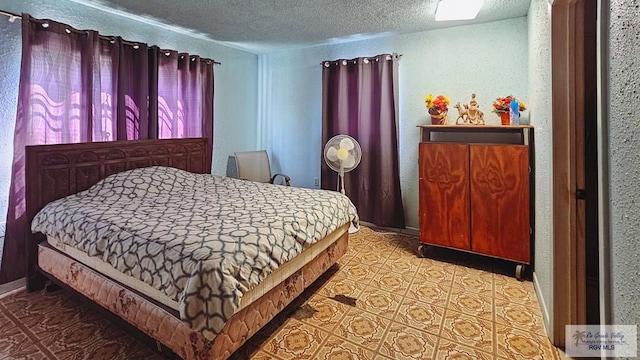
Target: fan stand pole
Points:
(341, 178)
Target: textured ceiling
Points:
(261, 26)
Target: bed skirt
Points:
(155, 321)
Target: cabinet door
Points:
(444, 194)
(500, 201)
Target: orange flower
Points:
(437, 105)
(503, 104)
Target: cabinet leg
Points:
(519, 271)
(422, 250)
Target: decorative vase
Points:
(438, 119)
(505, 119)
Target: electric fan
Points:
(342, 153)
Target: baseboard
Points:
(411, 231)
(13, 287)
(407, 230)
(545, 310)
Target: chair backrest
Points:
(253, 165)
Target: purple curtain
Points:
(359, 98)
(78, 86)
(185, 96)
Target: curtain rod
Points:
(394, 56)
(13, 17)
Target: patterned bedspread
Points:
(201, 239)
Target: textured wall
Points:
(624, 160)
(540, 112)
(235, 79)
(489, 59)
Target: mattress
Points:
(162, 325)
(273, 279)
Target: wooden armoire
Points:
(476, 189)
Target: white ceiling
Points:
(261, 26)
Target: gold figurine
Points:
(470, 113)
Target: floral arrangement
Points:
(503, 104)
(438, 105)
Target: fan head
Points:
(342, 152)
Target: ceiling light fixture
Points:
(448, 10)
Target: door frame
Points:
(602, 121)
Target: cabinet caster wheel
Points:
(519, 271)
(422, 250)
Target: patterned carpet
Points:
(381, 302)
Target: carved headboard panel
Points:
(56, 171)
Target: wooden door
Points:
(444, 194)
(570, 76)
(500, 201)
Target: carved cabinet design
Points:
(475, 192)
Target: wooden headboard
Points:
(56, 171)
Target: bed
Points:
(198, 263)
